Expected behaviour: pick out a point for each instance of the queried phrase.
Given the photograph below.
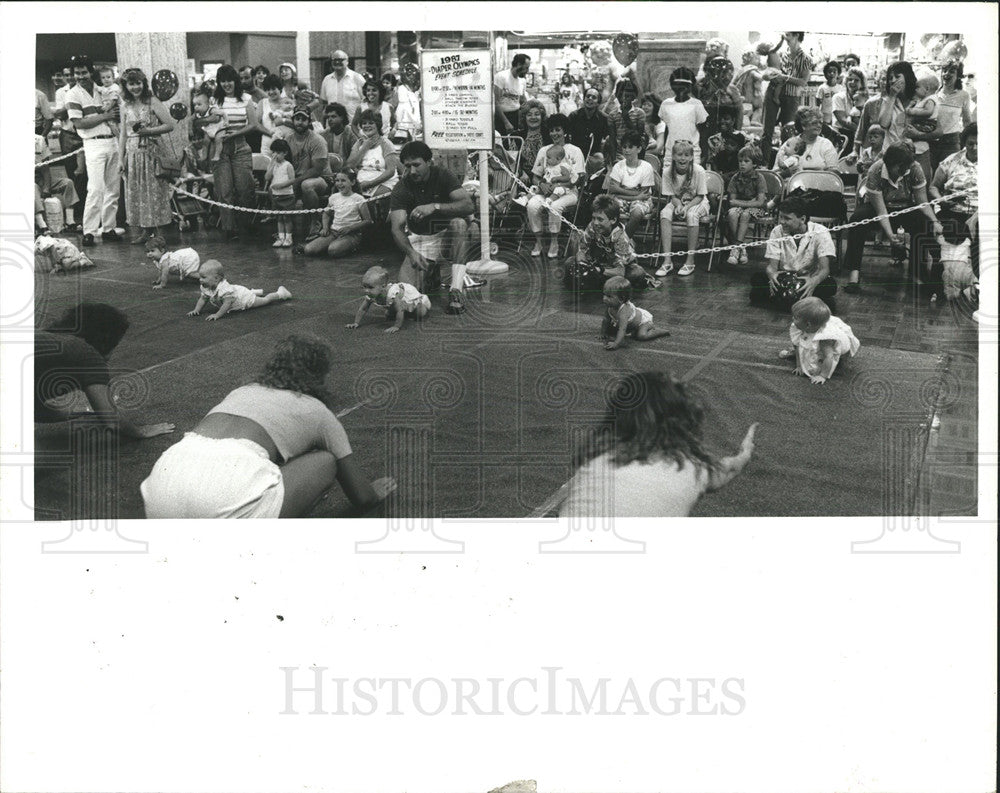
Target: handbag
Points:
(167, 165)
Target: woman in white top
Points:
(408, 121)
(817, 152)
(270, 449)
(270, 109)
(954, 113)
(374, 157)
(375, 101)
(233, 171)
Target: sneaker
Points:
(455, 305)
(744, 258)
(687, 269)
(471, 283)
(283, 293)
(733, 259)
(287, 243)
(280, 242)
(88, 240)
(537, 250)
(554, 250)
(665, 269)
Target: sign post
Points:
(458, 114)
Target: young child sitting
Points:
(215, 289)
(606, 250)
(184, 262)
(632, 180)
(747, 198)
(279, 181)
(623, 317)
(399, 299)
(819, 340)
(789, 162)
(921, 118)
(685, 187)
(350, 217)
(557, 172)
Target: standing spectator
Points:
(143, 120)
(889, 109)
(70, 141)
(375, 101)
(389, 83)
(340, 138)
(408, 123)
(829, 89)
(43, 114)
(682, 115)
(290, 83)
(310, 159)
(590, 130)
(248, 84)
(233, 171)
(789, 89)
(100, 151)
(510, 89)
(567, 98)
(847, 105)
(748, 82)
(259, 73)
(427, 213)
(342, 84)
(272, 124)
(719, 96)
(643, 118)
(954, 113)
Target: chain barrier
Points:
(60, 158)
(757, 243)
(255, 211)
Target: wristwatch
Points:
(437, 207)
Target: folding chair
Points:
(828, 181)
(715, 188)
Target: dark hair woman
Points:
(889, 109)
(233, 171)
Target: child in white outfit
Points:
(819, 338)
(399, 299)
(215, 289)
(624, 317)
(185, 262)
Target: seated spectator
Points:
(543, 203)
(340, 138)
(311, 164)
(533, 129)
(643, 118)
(73, 353)
(894, 182)
(605, 250)
(818, 153)
(719, 95)
(270, 449)
(632, 180)
(747, 200)
(958, 173)
(724, 147)
(590, 130)
(374, 157)
(847, 105)
(795, 268)
(46, 186)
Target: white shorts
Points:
(203, 477)
(430, 246)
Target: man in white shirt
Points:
(807, 259)
(342, 84)
(510, 90)
(100, 151)
(69, 140)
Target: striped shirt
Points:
(79, 104)
(235, 110)
(799, 65)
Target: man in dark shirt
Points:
(427, 211)
(590, 129)
(312, 168)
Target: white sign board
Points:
(457, 99)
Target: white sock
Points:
(69, 215)
(458, 278)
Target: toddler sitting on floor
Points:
(819, 340)
(624, 317)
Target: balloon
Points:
(753, 36)
(626, 48)
(164, 84)
(410, 72)
(178, 111)
(954, 51)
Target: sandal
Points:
(687, 269)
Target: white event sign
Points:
(457, 99)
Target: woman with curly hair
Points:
(847, 105)
(270, 449)
(533, 130)
(653, 462)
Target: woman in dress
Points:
(233, 171)
(374, 157)
(143, 120)
(270, 449)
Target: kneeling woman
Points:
(270, 449)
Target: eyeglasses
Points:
(337, 60)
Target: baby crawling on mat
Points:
(819, 338)
(215, 289)
(624, 317)
(185, 261)
(399, 299)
